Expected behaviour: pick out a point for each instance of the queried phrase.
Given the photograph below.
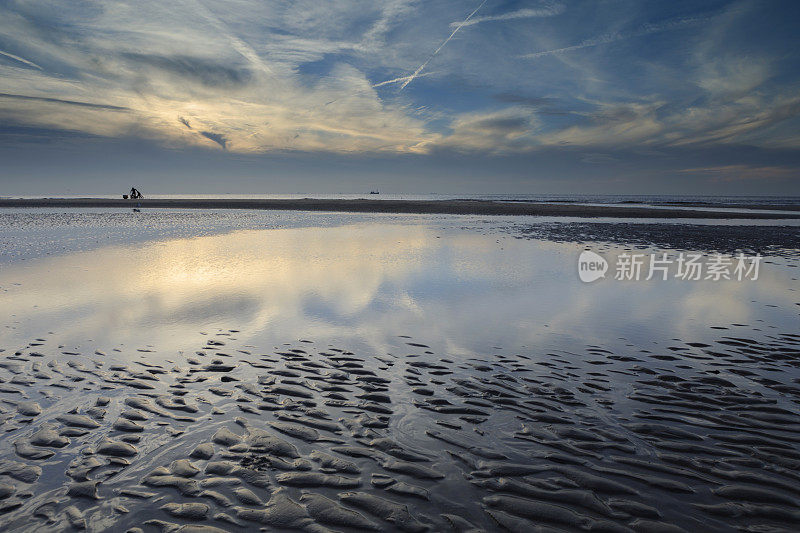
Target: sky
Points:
(408, 96)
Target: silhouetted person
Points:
(135, 194)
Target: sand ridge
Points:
(454, 207)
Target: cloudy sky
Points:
(615, 96)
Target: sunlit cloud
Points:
(235, 97)
(345, 77)
(508, 130)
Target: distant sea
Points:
(602, 199)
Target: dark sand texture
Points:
(453, 207)
(321, 439)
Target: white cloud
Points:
(546, 10)
(162, 65)
(612, 124)
(463, 23)
(329, 76)
(506, 130)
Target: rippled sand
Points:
(314, 438)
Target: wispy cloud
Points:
(646, 29)
(402, 79)
(507, 130)
(728, 173)
(311, 76)
(171, 69)
(417, 72)
(20, 60)
(62, 101)
(547, 10)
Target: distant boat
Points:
(374, 192)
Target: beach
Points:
(235, 369)
(402, 266)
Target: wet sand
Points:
(781, 241)
(453, 207)
(321, 438)
(766, 206)
(682, 422)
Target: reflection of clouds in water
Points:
(463, 292)
(245, 279)
(652, 310)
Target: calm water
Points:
(454, 306)
(346, 276)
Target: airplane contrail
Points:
(647, 29)
(21, 60)
(381, 84)
(398, 80)
(422, 66)
(241, 47)
(547, 11)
